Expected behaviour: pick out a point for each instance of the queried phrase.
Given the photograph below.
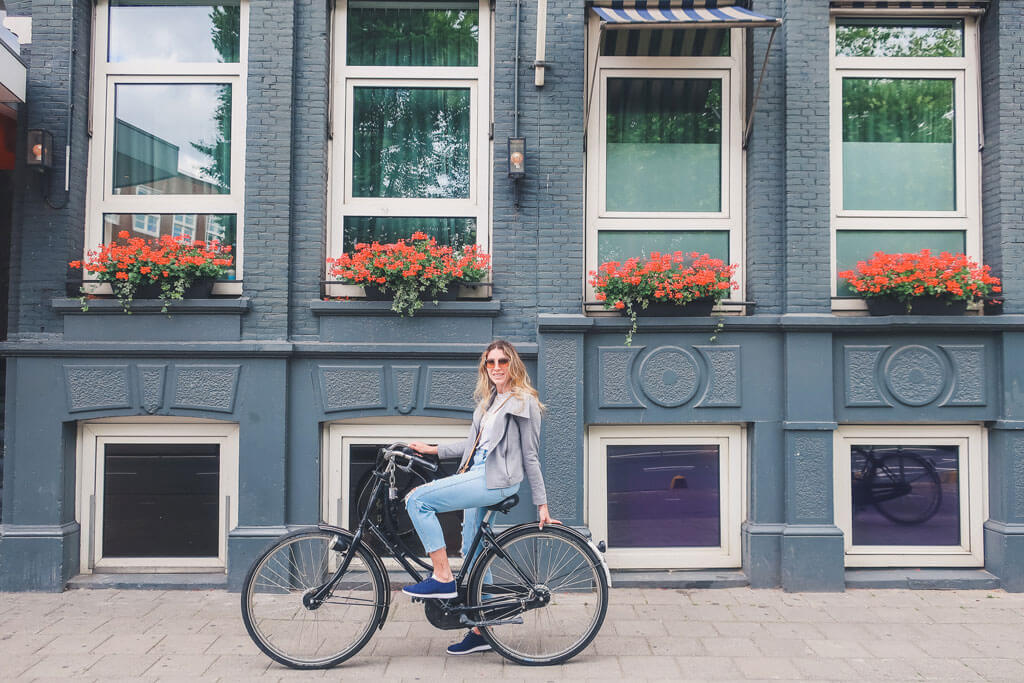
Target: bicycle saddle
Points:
(505, 505)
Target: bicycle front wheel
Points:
(906, 488)
(564, 586)
(307, 636)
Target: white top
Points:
(490, 429)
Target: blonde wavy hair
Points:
(519, 378)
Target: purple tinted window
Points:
(905, 495)
(663, 496)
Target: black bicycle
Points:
(902, 485)
(316, 596)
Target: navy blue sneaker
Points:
(432, 588)
(473, 642)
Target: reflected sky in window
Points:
(182, 33)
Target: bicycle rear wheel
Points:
(301, 636)
(559, 568)
(906, 488)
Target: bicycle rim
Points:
(288, 631)
(563, 566)
(916, 482)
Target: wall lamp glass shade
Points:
(516, 158)
(39, 149)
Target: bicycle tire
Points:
(278, 621)
(920, 502)
(568, 567)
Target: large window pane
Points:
(173, 138)
(185, 32)
(454, 232)
(203, 226)
(860, 245)
(161, 500)
(905, 495)
(665, 42)
(619, 245)
(664, 144)
(404, 35)
(664, 496)
(898, 144)
(411, 142)
(900, 38)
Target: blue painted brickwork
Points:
(44, 239)
(1003, 155)
(309, 163)
(766, 165)
(805, 30)
(268, 157)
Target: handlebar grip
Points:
(412, 456)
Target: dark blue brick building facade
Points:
(290, 386)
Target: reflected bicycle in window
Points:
(903, 485)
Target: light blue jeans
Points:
(467, 491)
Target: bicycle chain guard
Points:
(435, 611)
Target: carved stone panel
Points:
(405, 387)
(811, 478)
(351, 387)
(670, 376)
(615, 372)
(968, 363)
(451, 388)
(96, 387)
(723, 384)
(915, 375)
(560, 460)
(1018, 476)
(860, 367)
(151, 386)
(206, 387)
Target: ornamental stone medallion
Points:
(915, 375)
(669, 376)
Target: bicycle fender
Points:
(585, 537)
(345, 533)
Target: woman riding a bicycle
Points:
(500, 450)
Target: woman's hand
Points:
(545, 516)
(424, 448)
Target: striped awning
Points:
(695, 13)
(962, 6)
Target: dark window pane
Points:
(663, 496)
(899, 144)
(170, 32)
(665, 42)
(174, 138)
(900, 38)
(860, 245)
(453, 232)
(406, 35)
(905, 495)
(664, 144)
(161, 500)
(411, 142)
(619, 245)
(362, 458)
(201, 226)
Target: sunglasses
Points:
(496, 362)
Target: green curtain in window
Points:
(411, 36)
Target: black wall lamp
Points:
(40, 150)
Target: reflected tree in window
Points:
(226, 31)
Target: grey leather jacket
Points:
(515, 454)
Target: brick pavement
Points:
(727, 634)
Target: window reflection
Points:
(406, 35)
(452, 232)
(905, 495)
(173, 138)
(900, 38)
(201, 226)
(192, 32)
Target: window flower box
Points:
(920, 284)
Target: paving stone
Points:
(650, 667)
(708, 668)
(125, 665)
(731, 647)
(837, 648)
(783, 647)
(128, 643)
(821, 669)
(60, 665)
(181, 665)
(996, 669)
(767, 668)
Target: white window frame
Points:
(94, 435)
(143, 225)
(732, 474)
(346, 78)
(106, 77)
(730, 70)
(186, 222)
(964, 72)
(338, 439)
(973, 494)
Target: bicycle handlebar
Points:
(413, 458)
